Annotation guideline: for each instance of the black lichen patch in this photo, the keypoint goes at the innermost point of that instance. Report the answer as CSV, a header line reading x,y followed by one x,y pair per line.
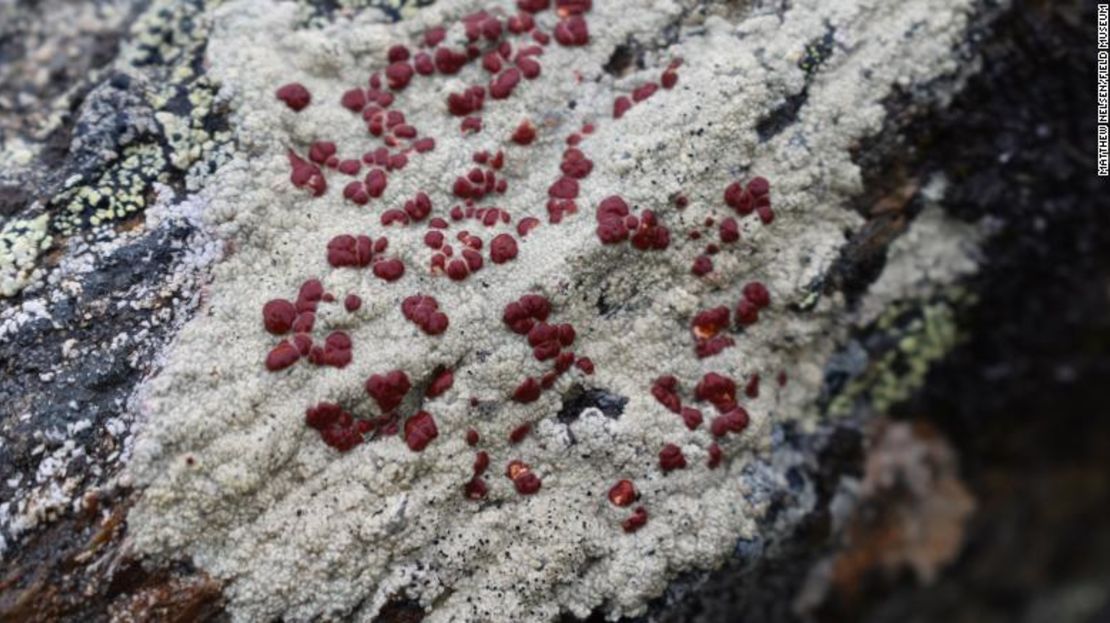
x,y
786,114
579,398
782,117
817,52
626,58
400,609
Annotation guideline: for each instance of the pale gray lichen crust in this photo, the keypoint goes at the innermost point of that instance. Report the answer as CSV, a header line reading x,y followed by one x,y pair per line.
x,y
233,478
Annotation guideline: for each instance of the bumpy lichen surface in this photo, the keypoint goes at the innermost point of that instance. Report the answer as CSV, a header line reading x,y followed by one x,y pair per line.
x,y
234,477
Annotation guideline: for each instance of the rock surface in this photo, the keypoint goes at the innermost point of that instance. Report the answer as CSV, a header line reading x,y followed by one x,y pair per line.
x,y
151,217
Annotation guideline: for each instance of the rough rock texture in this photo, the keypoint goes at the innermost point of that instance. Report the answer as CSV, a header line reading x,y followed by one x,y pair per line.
x,y
148,198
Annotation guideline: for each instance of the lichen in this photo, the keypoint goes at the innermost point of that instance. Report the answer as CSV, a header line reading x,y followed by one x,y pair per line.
x,y
234,477
21,243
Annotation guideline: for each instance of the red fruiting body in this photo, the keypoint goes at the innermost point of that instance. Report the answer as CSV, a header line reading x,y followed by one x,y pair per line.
x,y
472,440
572,7
665,390
515,468
611,228
529,67
528,391
472,125
669,79
336,427
423,311
520,23
563,362
710,322
585,365
491,62
520,315
546,340
481,460
349,167
347,250
502,86
735,421
649,234
623,493
712,346
420,430
703,265
759,186
563,188
356,193
782,378
375,182
636,520
644,91
336,351
527,483
419,207
449,61
718,390
307,175
757,293
457,270
502,248
671,458
282,356
533,6
397,53
352,302
729,230
310,292
320,151
706,326
394,216
691,417
751,390
621,106
747,312
443,382
462,104
714,456
304,322
389,270
548,379
278,316
525,133
295,96
475,489
434,36
389,389
398,74
572,31
739,199
423,64
433,239
519,433
575,164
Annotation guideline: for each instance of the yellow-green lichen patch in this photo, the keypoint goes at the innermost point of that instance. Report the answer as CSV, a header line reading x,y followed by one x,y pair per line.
x,y
916,335
118,193
163,124
166,49
21,243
